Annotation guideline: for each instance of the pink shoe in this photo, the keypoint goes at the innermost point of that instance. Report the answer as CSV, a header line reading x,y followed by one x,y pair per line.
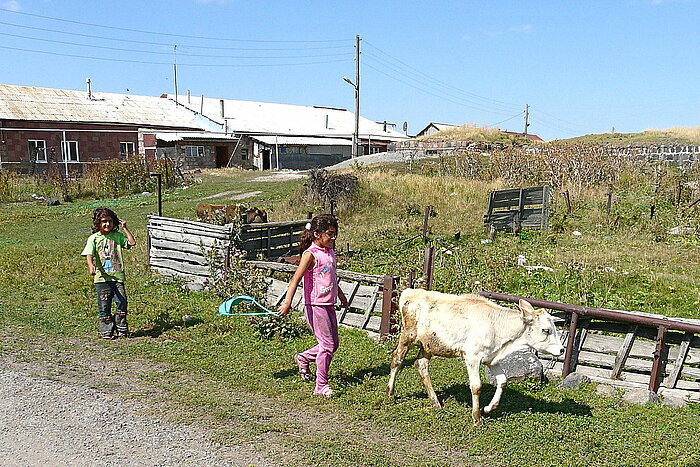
x,y
304,372
325,391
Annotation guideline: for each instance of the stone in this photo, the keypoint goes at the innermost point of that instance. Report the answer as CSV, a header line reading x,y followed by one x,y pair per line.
x,y
574,380
605,390
640,397
193,287
519,365
52,202
673,401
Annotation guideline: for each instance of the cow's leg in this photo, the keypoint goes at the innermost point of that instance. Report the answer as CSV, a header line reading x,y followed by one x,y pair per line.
x,y
500,376
397,358
475,386
423,364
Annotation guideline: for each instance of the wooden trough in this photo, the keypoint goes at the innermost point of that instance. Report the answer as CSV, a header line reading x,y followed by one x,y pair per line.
x,y
372,298
626,349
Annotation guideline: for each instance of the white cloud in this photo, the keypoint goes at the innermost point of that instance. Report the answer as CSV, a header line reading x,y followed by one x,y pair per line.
x,y
12,5
523,28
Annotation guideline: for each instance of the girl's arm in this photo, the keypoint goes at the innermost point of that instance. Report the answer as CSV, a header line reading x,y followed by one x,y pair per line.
x,y
91,265
307,262
129,237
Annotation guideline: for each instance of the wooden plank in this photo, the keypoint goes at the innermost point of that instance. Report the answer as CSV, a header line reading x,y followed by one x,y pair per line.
x,y
341,273
201,233
640,348
370,307
579,339
186,268
266,225
624,352
171,272
156,220
262,233
191,239
264,243
350,296
680,360
357,320
178,256
184,247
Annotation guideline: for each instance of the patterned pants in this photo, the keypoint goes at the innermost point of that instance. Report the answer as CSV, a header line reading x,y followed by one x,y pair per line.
x,y
106,293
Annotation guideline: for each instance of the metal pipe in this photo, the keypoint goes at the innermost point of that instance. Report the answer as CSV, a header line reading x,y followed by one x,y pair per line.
x,y
159,177
570,345
659,354
612,315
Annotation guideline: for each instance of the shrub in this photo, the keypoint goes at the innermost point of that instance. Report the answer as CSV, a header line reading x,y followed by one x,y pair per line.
x,y
324,188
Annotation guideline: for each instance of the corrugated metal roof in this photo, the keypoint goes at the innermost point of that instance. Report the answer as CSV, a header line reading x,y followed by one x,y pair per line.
x,y
301,140
287,119
61,105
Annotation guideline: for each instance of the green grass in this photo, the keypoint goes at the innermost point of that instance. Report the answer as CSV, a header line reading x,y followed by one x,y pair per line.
x,y
218,374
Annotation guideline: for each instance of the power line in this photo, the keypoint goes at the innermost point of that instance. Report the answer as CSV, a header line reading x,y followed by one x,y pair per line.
x,y
215,65
442,83
168,53
140,31
170,44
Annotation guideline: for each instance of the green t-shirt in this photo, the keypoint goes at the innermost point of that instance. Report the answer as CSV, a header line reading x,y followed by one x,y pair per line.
x,y
106,251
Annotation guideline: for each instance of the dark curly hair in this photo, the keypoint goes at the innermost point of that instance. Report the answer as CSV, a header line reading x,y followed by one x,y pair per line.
x,y
319,224
99,213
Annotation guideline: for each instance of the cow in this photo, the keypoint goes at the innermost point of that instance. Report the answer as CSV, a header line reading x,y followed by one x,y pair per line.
x,y
230,212
470,327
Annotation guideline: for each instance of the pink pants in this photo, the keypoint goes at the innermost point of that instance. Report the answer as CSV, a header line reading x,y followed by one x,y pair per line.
x,y
324,324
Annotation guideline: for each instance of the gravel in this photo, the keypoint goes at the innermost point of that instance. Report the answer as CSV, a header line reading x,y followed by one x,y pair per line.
x,y
45,422
382,157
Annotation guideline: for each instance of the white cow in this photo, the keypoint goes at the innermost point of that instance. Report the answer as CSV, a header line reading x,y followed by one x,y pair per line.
x,y
470,327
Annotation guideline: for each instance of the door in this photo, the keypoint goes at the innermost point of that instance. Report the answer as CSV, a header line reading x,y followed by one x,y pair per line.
x,y
222,156
266,159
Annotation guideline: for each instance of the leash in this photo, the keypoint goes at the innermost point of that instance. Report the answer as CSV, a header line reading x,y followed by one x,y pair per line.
x,y
225,308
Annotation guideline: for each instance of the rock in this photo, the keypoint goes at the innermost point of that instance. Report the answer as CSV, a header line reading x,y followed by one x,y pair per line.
x,y
193,287
146,193
680,230
52,202
673,401
519,366
605,390
640,397
574,380
576,233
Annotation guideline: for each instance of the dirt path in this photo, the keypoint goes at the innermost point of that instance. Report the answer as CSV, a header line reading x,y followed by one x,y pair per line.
x,y
80,407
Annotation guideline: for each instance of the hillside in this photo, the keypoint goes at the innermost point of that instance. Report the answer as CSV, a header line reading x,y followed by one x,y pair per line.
x,y
474,133
678,135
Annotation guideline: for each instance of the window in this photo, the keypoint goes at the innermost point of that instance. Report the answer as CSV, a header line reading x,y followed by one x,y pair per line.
x,y
37,150
126,149
244,154
69,151
194,151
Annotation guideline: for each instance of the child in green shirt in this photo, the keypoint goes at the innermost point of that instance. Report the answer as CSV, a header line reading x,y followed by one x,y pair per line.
x,y
104,258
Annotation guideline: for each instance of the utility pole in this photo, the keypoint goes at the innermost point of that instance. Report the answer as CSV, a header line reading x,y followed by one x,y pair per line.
x,y
175,70
527,116
356,142
356,86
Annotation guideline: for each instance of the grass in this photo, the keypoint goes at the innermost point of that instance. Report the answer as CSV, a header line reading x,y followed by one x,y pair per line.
x,y
676,135
473,132
218,374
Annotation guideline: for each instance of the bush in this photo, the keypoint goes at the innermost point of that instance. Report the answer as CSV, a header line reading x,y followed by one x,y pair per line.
x,y
324,188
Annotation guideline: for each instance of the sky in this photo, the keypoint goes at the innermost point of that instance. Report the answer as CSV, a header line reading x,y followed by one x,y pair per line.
x,y
580,67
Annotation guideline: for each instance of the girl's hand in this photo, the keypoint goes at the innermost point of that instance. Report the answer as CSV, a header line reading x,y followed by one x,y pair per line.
x,y
284,309
122,224
91,269
344,302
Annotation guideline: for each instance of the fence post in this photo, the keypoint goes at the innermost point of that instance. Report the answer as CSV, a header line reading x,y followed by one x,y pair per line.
x,y
609,202
659,354
388,293
159,177
568,201
426,217
570,345
428,266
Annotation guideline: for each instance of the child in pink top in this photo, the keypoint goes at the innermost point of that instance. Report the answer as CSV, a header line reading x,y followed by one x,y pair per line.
x,y
318,269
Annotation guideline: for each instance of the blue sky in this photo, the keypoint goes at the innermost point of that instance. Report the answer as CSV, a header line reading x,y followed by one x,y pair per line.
x,y
582,66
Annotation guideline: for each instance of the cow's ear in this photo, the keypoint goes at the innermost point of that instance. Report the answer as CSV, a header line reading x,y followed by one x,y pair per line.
x,y
527,310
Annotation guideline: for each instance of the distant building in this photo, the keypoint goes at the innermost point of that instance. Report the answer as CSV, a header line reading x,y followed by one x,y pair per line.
x,y
80,128
292,136
434,127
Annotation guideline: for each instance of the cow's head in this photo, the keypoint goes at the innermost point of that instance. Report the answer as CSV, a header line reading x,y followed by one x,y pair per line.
x,y
541,334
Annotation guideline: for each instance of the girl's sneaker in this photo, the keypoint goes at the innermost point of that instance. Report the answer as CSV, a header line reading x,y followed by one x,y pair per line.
x,y
303,366
325,391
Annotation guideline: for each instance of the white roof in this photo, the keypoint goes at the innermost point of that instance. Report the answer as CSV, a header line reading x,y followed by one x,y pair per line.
x,y
61,105
285,119
301,140
171,136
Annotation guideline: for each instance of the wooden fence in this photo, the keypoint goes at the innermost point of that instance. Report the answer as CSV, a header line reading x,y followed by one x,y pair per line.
x,y
180,247
628,349
518,208
372,298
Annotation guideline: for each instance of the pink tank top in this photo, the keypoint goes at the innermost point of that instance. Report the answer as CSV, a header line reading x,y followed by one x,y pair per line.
x,y
320,282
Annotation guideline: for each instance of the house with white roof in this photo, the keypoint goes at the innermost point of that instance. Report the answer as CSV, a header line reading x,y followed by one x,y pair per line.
x,y
79,128
290,136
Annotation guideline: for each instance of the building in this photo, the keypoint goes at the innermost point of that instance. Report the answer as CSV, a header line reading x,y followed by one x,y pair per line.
x,y
80,128
290,136
434,127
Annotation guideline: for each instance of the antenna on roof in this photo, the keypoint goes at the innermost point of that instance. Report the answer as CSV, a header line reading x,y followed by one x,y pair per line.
x,y
175,69
88,83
